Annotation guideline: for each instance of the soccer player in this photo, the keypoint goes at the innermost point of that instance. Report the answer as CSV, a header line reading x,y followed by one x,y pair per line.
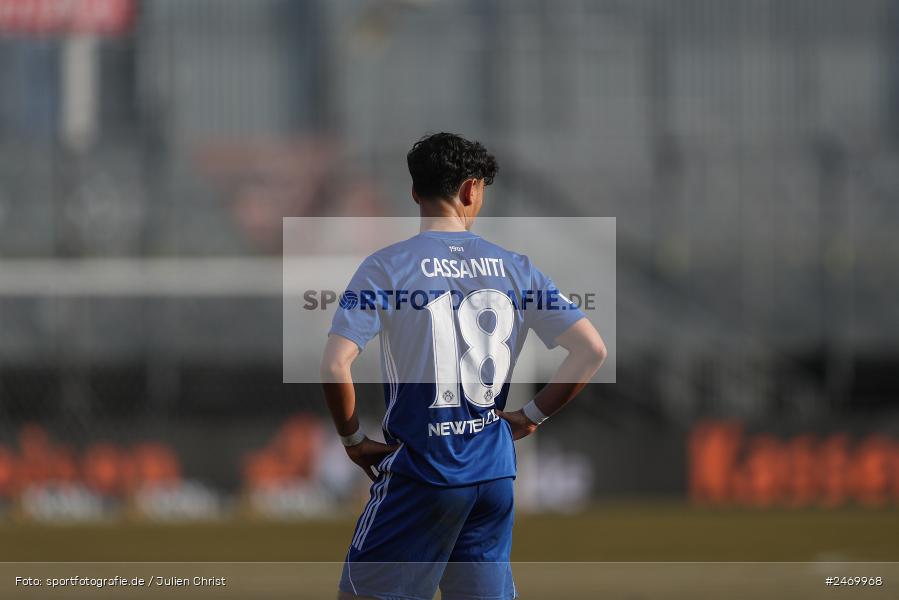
x,y
452,311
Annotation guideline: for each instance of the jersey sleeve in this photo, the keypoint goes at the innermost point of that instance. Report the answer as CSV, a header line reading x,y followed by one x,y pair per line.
x,y
549,313
357,317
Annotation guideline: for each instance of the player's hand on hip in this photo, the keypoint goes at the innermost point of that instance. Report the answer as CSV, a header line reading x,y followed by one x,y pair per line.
x,y
520,424
367,454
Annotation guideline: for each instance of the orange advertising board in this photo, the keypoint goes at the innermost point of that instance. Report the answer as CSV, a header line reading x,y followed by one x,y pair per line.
x,y
728,466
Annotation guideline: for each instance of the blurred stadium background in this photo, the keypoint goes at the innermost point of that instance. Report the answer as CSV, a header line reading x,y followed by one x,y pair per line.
x,y
748,148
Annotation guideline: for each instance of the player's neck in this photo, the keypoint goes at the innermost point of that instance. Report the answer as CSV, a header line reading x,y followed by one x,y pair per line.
x,y
444,223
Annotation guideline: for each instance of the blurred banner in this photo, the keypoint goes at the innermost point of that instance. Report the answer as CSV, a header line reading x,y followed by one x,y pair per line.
x,y
729,466
42,17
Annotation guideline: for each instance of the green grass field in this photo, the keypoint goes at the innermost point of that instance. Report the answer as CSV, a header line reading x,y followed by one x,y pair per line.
x,y
621,533
631,532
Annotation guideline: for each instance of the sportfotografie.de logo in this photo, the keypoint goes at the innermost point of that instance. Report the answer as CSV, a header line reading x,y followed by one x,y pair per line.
x,y
370,299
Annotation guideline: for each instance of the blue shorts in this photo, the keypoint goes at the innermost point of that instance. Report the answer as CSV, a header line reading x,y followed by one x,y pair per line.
x,y
413,537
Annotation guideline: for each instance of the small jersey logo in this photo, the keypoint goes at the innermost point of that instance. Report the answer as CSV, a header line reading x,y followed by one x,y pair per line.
x,y
448,396
456,249
349,300
488,395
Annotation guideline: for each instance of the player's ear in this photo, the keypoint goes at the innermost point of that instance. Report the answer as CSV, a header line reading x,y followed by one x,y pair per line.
x,y
467,191
479,186
415,197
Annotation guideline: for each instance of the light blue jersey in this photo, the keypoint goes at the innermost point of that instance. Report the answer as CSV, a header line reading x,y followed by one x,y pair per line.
x,y
452,311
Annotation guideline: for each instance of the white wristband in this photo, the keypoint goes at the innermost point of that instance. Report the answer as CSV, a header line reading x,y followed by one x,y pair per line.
x,y
533,413
352,439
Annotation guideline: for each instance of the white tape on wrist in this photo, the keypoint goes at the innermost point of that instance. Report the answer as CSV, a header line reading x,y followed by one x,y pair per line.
x,y
352,439
534,414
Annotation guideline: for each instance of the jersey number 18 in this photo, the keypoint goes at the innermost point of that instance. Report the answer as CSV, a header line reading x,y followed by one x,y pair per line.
x,y
482,345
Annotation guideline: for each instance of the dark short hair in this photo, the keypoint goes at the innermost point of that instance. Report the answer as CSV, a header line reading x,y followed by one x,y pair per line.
x,y
440,162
